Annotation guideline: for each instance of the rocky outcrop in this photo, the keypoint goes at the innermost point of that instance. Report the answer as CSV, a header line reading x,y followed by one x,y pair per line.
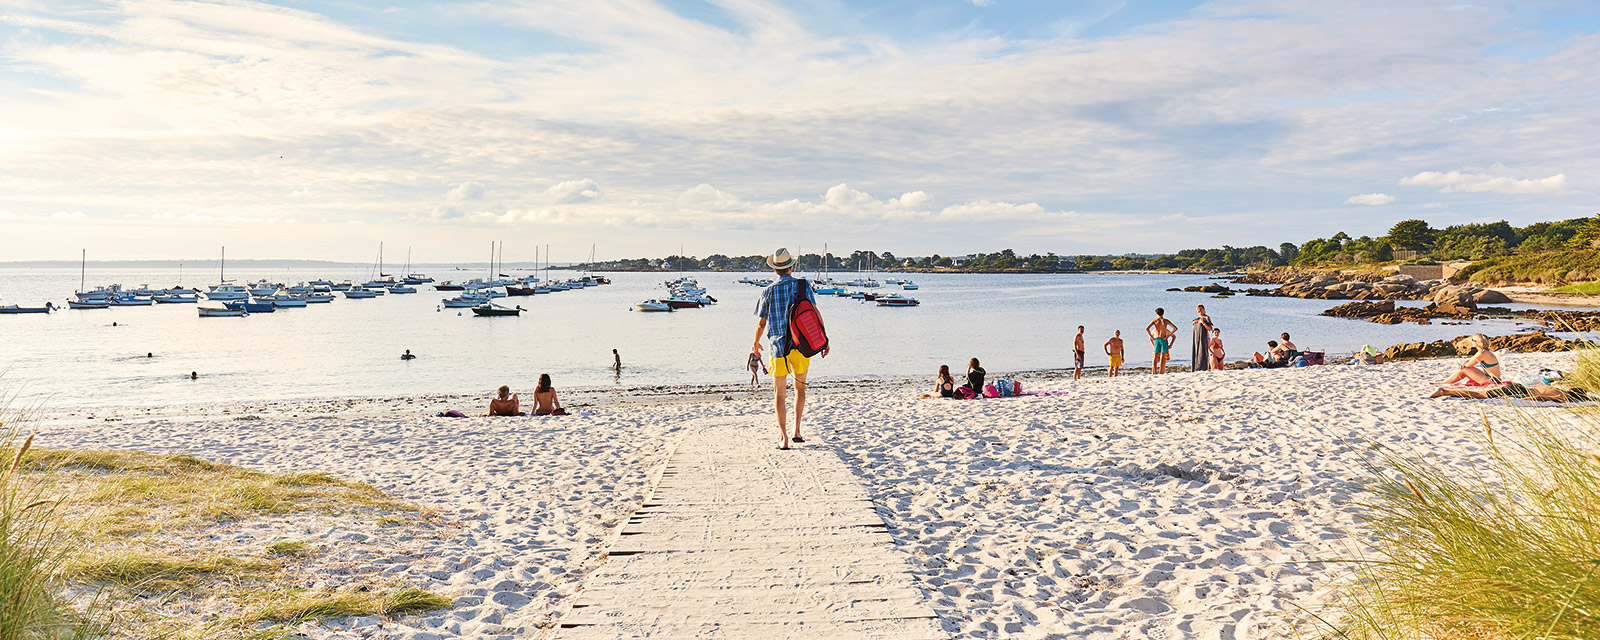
x,y
1530,342
1385,312
1361,309
1210,288
1322,286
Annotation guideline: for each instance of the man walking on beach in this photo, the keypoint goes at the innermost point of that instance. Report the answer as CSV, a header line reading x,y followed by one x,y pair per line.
x,y
1161,331
1114,349
774,307
1077,354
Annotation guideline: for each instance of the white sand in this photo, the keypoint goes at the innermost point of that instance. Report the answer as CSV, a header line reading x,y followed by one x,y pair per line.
x,y
1165,507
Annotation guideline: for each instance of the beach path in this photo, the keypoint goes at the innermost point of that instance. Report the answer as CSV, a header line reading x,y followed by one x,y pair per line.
x,y
741,540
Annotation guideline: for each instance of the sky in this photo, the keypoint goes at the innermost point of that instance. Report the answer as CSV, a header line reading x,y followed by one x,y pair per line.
x,y
156,129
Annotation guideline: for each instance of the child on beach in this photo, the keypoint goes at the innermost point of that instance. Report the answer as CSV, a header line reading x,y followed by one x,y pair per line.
x,y
754,364
1113,349
545,402
505,403
1215,347
975,374
1077,354
946,385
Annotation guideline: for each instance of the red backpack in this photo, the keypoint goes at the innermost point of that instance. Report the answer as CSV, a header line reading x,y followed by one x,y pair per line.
x,y
806,333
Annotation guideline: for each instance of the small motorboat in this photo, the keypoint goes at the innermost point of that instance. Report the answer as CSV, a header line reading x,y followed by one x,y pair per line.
x,y
252,307
88,304
463,302
684,303
652,305
13,309
908,286
227,292
521,291
282,301
319,298
446,286
321,283
359,292
829,290
417,278
490,309
896,300
213,312
343,286
263,288
174,298
129,300
400,288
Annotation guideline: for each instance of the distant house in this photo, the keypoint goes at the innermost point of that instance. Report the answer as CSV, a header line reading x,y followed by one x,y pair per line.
x,y
1066,263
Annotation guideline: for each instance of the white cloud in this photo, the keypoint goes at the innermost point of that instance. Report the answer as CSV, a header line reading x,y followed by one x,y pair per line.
x,y
984,209
706,197
1370,199
1432,205
469,190
1484,182
573,191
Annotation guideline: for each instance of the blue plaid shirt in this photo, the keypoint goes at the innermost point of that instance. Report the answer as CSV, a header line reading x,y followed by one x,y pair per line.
x,y
776,301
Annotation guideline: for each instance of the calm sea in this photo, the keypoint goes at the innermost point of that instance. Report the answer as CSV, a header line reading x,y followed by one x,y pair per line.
x,y
351,348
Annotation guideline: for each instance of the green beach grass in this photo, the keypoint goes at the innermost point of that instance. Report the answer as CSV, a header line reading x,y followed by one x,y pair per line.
x,y
1506,546
105,523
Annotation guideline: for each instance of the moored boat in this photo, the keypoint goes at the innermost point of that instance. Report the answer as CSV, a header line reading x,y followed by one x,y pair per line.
x,y
129,300
908,286
319,298
446,286
174,298
227,292
15,309
213,312
88,304
252,307
896,300
652,305
359,292
490,309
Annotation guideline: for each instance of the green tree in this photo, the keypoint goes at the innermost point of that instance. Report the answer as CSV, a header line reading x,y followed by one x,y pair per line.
x,y
1415,235
1588,236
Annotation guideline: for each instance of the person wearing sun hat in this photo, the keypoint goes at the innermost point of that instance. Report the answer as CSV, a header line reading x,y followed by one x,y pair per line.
x,y
773,330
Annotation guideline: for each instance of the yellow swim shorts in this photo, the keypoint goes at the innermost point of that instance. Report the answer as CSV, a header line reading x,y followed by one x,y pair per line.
x,y
1116,360
794,362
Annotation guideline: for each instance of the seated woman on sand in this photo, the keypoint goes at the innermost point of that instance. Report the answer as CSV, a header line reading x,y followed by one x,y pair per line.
x,y
975,374
946,385
1272,359
505,403
1482,369
545,402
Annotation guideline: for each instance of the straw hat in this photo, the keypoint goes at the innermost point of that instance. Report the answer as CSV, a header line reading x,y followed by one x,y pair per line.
x,y
780,259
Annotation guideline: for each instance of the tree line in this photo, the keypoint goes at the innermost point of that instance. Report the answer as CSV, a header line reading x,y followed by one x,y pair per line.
x,y
1411,241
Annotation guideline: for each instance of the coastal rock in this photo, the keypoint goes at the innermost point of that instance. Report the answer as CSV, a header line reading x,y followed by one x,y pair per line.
x,y
1414,350
1360,309
1210,288
1401,280
1489,296
1452,308
1531,342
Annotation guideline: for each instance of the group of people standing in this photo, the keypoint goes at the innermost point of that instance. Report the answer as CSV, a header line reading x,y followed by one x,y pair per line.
x,y
1206,351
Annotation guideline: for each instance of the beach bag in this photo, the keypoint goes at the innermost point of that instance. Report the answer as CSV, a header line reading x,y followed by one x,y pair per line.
x,y
964,392
990,392
1017,389
806,333
1313,357
1002,388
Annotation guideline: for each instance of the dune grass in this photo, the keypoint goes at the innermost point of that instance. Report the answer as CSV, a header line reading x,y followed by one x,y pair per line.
x,y
116,536
295,606
1507,546
34,547
1584,288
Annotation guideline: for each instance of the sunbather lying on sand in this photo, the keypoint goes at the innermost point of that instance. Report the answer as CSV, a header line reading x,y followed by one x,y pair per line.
x,y
1513,390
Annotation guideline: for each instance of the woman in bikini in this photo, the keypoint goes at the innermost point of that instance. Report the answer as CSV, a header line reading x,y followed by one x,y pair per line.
x,y
1482,369
545,402
1215,347
946,386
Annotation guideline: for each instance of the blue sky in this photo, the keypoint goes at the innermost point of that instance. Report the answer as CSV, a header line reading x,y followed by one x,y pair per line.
x,y
162,128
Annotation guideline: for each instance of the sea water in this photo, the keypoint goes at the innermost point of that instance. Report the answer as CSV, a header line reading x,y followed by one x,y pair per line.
x,y
352,348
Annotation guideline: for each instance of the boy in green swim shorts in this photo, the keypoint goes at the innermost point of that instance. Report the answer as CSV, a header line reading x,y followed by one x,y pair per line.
x,y
1161,331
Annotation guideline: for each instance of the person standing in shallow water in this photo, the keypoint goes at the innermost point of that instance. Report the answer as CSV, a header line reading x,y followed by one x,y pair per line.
x,y
773,329
1201,355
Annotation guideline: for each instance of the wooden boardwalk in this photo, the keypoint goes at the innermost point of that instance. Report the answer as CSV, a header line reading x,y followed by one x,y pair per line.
x,y
740,540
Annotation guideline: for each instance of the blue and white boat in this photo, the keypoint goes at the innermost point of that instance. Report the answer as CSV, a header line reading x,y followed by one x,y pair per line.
x,y
129,300
228,292
359,292
251,306
213,312
174,298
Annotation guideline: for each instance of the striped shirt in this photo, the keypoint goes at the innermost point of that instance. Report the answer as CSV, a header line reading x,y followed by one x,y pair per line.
x,y
776,302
